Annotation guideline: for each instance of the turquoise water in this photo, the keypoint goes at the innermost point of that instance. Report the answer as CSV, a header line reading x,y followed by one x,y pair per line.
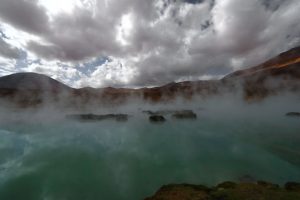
x,y
65,160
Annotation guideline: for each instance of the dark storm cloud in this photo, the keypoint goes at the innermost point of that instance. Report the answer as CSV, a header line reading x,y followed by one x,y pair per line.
x,y
7,51
159,41
24,14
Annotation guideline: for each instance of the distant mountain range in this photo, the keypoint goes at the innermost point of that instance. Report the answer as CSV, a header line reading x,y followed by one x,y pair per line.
x,y
279,74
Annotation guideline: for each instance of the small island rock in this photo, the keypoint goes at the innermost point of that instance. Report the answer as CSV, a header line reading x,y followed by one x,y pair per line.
x,y
157,118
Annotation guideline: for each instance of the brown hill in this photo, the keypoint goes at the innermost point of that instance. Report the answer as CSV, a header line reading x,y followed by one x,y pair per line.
x,y
281,73
276,66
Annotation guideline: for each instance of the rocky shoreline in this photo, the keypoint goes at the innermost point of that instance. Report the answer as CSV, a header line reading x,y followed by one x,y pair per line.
x,y
259,190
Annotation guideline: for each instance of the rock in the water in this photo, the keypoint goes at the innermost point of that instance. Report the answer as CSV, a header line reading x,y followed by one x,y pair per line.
x,y
82,117
157,118
293,114
93,117
185,114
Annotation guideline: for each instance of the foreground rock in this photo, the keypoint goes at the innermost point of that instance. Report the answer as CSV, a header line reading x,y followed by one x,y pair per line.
x,y
181,192
93,117
157,119
228,191
293,114
185,114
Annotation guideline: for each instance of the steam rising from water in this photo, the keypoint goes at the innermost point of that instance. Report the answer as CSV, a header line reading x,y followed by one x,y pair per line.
x,y
45,156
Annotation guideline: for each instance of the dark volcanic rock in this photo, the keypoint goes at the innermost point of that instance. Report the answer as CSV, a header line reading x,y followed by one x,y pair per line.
x,y
293,114
157,118
93,117
185,114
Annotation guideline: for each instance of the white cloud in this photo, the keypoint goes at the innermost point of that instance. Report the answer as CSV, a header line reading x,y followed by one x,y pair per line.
x,y
55,7
149,42
124,29
113,72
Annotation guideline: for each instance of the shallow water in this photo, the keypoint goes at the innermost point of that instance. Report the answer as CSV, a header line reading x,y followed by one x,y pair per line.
x,y
65,160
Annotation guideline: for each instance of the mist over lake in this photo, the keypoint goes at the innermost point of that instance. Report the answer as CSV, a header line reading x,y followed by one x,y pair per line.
x,y
149,100
46,156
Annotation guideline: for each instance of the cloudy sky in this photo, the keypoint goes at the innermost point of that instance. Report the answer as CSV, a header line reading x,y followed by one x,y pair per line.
x,y
133,43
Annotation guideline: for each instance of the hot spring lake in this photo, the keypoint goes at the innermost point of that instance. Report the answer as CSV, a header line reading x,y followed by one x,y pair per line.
x,y
69,160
